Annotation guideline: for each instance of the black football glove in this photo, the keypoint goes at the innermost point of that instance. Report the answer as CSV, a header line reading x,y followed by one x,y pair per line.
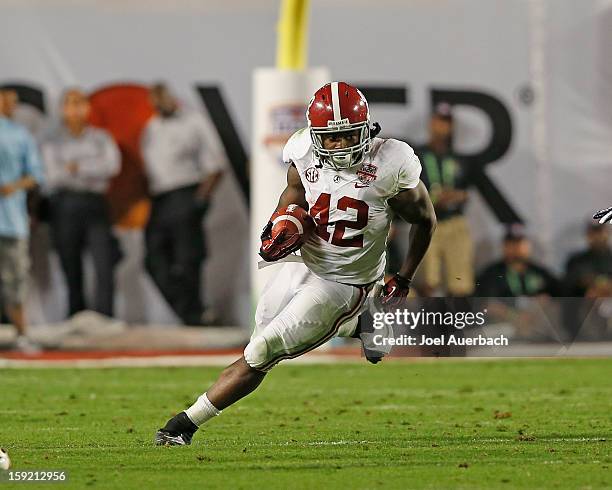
x,y
604,216
395,290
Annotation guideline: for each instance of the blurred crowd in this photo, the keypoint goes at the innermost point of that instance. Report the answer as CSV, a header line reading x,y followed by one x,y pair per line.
x,y
449,266
63,176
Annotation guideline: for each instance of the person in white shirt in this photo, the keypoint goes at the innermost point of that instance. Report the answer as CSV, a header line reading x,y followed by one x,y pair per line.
x,y
183,169
79,162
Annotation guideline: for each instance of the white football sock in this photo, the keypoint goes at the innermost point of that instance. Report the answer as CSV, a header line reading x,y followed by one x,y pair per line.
x,y
202,410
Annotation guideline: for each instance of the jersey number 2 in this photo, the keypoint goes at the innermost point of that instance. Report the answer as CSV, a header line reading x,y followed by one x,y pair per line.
x,y
320,211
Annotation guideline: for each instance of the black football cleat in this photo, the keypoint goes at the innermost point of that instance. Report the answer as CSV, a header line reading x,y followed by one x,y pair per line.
x,y
365,333
165,438
178,431
372,356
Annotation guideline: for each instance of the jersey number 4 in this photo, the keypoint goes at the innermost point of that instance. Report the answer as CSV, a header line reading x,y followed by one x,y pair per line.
x,y
320,211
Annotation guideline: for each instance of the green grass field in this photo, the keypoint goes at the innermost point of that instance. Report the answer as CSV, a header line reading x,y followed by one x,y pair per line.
x,y
438,424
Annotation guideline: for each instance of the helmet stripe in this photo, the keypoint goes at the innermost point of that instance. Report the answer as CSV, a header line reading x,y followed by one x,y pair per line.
x,y
335,101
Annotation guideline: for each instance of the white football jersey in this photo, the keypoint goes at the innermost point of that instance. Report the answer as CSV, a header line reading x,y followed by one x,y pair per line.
x,y
351,208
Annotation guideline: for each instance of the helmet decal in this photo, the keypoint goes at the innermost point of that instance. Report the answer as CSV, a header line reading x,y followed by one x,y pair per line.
x,y
335,101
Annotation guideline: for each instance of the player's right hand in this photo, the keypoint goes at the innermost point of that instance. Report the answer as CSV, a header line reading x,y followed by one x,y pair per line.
x,y
273,249
604,216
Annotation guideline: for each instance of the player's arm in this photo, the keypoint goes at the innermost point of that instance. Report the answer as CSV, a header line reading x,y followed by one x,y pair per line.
x,y
413,206
294,193
274,249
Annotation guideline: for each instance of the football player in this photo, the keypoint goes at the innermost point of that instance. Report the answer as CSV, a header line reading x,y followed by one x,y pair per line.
x,y
604,216
352,183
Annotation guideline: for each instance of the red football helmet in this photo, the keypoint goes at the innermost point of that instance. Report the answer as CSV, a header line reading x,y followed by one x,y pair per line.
x,y
339,107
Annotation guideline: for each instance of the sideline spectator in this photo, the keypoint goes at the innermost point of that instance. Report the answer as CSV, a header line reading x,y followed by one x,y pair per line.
x,y
444,175
589,272
79,161
516,275
20,171
182,173
11,100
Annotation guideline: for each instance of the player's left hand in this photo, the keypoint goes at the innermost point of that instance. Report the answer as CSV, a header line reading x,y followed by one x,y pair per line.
x,y
604,216
395,290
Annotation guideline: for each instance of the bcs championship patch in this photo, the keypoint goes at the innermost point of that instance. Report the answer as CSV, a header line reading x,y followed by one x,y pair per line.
x,y
366,175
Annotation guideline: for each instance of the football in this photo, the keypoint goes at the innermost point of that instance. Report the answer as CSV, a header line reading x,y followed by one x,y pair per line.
x,y
294,223
5,461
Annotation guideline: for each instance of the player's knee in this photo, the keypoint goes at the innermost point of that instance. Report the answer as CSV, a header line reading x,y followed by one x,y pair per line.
x,y
256,352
